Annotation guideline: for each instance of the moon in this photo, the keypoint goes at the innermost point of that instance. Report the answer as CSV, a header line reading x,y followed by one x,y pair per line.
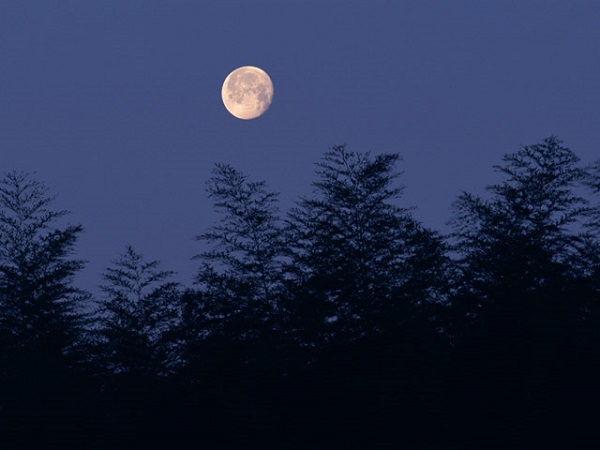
x,y
247,92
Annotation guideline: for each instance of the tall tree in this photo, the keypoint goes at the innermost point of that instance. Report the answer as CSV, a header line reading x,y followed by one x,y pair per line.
x,y
242,269
354,249
524,262
40,314
591,251
529,233
137,317
593,183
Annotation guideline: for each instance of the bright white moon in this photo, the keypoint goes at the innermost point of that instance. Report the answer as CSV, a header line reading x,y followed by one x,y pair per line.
x,y
247,92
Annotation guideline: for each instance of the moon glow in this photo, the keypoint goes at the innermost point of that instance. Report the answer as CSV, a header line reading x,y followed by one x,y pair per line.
x,y
247,92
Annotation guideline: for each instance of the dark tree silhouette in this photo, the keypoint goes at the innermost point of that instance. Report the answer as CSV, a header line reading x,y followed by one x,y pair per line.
x,y
40,318
355,251
530,234
136,319
241,273
233,321
524,255
593,183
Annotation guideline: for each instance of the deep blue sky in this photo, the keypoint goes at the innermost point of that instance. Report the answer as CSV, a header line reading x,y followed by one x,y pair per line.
x,y
116,104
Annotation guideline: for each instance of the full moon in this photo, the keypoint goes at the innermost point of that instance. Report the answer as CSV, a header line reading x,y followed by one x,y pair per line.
x,y
247,92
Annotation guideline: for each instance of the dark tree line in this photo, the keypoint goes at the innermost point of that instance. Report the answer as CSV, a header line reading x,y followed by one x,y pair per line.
x,y
344,323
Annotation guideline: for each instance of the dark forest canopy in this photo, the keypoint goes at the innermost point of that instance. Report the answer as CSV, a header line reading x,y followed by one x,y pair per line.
x,y
342,323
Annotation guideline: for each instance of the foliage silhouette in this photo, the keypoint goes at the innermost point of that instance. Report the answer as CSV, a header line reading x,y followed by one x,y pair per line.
x,y
237,303
524,256
39,311
362,262
135,321
347,325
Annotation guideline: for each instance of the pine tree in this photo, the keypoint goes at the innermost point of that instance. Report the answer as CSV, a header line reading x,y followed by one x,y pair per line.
x,y
355,251
241,273
40,309
525,292
530,233
136,319
590,249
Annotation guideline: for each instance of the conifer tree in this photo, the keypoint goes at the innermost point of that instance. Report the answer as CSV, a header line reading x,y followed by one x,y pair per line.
x,y
137,317
528,235
355,251
241,272
525,293
40,309
593,184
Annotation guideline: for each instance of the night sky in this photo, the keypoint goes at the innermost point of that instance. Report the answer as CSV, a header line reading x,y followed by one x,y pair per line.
x,y
116,105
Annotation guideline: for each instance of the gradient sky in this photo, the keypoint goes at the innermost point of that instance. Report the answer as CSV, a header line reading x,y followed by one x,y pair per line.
x,y
116,104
